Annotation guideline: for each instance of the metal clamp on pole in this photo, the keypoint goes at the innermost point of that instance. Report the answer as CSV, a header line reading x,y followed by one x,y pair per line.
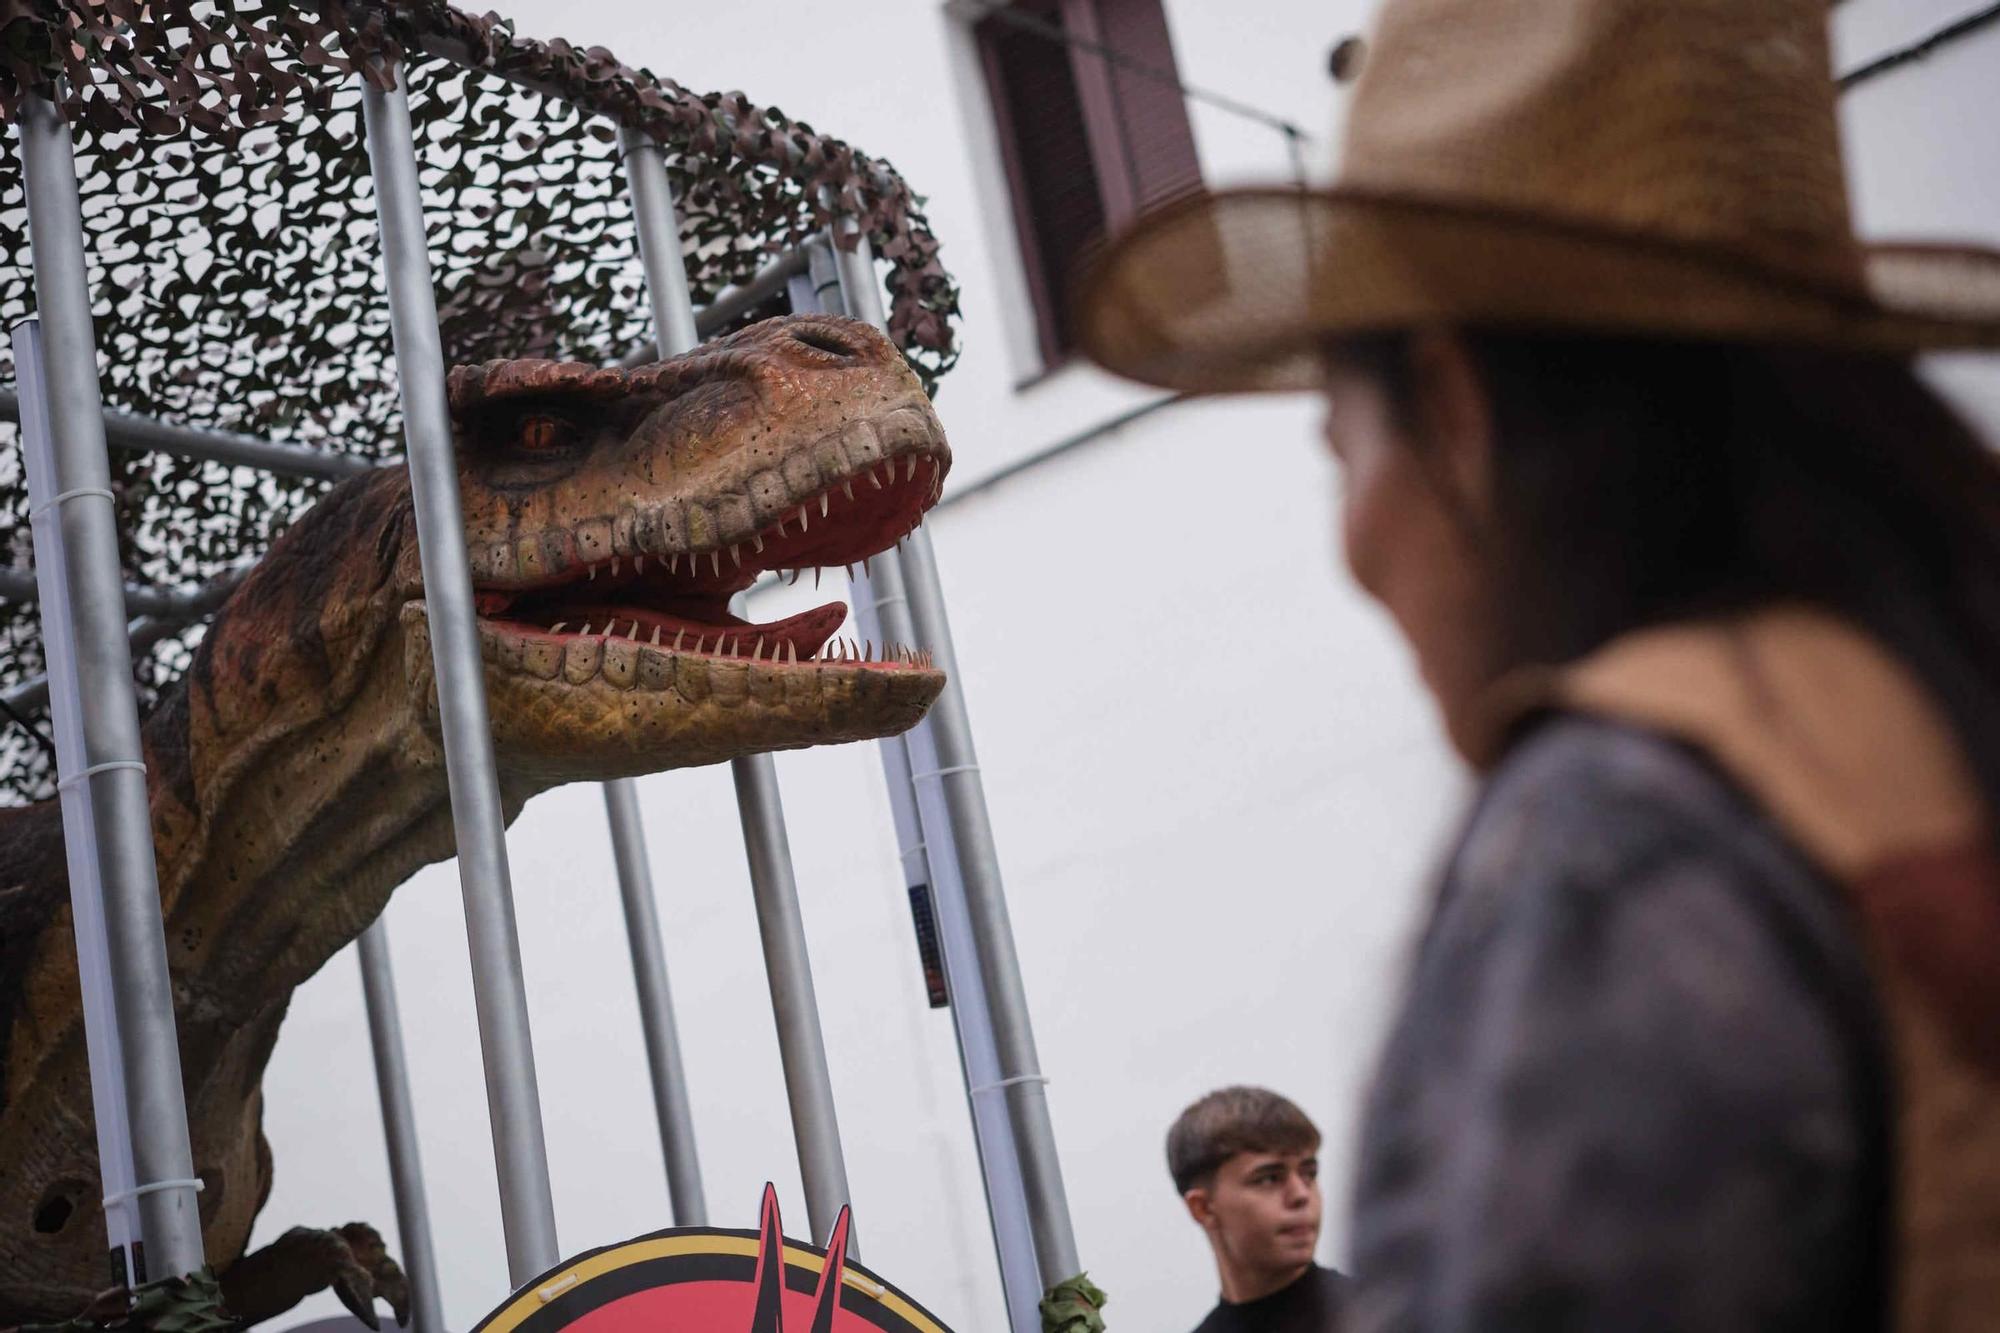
x,y
527,1210
134,1050
941,750
673,333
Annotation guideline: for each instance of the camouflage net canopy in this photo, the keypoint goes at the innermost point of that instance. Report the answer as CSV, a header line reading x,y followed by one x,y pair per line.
x,y
231,242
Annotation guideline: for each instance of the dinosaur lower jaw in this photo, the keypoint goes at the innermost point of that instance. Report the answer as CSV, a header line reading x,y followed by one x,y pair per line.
x,y
608,707
679,601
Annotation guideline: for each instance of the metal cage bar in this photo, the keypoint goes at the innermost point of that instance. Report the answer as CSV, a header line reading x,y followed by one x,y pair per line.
x,y
930,866
399,1129
956,776
103,777
774,887
673,332
138,434
519,1150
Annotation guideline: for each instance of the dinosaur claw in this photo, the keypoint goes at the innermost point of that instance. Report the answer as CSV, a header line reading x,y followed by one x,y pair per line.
x,y
385,1276
357,1293
351,1261
393,1287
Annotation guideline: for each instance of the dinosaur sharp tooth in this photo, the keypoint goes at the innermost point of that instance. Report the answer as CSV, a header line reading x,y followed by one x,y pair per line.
x,y
614,566
638,564
847,489
715,560
585,629
868,651
910,467
816,574
679,634
757,652
656,636
873,480
864,564
735,558
673,561
557,628
699,639
791,651
756,543
804,524
633,633
781,527
823,502
593,573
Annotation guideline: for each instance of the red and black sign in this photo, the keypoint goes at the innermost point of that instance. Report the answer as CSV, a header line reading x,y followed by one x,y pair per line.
x,y
706,1280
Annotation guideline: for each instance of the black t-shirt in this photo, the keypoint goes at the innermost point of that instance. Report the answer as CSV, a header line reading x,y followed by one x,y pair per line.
x,y
1311,1304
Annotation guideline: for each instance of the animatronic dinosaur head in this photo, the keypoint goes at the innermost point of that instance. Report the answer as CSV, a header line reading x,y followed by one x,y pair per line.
x,y
610,515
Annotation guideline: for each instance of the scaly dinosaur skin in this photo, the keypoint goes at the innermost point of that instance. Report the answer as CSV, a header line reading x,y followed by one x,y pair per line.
x,y
296,776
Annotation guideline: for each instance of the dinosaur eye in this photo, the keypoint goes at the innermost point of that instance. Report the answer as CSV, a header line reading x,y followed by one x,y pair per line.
x,y
543,433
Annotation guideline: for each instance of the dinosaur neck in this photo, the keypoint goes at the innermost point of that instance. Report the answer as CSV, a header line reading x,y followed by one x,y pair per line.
x,y
294,841
294,785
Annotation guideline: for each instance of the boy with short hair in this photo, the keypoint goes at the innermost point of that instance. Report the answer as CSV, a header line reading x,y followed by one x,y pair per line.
x,y
1246,1163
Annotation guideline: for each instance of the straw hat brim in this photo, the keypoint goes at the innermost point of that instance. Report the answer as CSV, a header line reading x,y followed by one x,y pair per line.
x,y
1238,290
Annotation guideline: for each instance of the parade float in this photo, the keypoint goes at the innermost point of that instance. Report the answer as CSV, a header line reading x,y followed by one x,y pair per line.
x,y
404,407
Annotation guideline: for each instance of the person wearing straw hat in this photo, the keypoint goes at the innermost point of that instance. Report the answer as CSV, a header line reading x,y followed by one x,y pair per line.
x,y
1704,1029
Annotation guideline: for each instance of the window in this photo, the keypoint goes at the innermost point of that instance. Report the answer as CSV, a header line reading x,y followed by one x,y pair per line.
x,y
1089,141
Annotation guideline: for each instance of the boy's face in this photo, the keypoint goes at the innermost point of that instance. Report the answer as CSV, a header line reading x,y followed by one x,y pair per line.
x,y
1262,1210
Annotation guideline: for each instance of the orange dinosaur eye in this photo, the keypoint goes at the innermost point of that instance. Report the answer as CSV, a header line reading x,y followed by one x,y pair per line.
x,y
540,433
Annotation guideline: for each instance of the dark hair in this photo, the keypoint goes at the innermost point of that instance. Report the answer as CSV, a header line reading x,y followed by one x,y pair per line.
x,y
1229,1121
1639,481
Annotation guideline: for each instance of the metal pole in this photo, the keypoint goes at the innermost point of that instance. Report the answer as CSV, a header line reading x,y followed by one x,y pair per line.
x,y
72,496
399,1127
29,696
122,430
794,1007
659,229
956,775
526,1208
140,600
673,333
930,866
801,1046
656,1007
731,303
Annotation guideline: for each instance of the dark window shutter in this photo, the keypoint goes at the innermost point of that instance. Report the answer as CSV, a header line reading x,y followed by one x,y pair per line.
x,y
1089,141
1058,206
1159,145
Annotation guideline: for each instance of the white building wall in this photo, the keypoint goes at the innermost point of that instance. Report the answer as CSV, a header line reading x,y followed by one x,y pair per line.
x,y
1216,788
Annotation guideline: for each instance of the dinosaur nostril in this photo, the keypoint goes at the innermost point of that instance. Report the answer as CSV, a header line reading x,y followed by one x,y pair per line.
x,y
825,340
52,1214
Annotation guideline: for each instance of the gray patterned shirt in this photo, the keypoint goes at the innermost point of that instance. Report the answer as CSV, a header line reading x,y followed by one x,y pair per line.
x,y
1637,1082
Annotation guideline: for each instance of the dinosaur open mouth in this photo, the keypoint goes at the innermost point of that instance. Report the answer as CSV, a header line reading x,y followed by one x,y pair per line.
x,y
678,599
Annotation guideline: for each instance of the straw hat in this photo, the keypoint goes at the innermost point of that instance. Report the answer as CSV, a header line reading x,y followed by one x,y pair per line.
x,y
1667,167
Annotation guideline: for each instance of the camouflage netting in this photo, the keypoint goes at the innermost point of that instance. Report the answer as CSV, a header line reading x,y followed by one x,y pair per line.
x,y
233,263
